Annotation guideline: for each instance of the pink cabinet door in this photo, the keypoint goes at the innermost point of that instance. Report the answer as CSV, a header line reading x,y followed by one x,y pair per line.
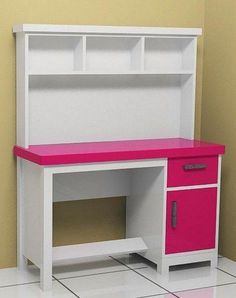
x,y
191,220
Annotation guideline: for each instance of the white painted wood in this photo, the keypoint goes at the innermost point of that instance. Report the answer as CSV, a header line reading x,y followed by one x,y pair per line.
x,y
218,202
33,220
84,53
188,94
142,48
21,260
168,54
55,53
144,209
48,28
101,180
22,101
101,166
37,224
185,258
191,253
46,243
91,185
136,59
188,50
164,212
110,73
103,248
107,107
79,54
187,117
94,83
113,53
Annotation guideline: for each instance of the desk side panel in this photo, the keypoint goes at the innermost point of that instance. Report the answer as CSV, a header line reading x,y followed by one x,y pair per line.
x,y
145,215
33,218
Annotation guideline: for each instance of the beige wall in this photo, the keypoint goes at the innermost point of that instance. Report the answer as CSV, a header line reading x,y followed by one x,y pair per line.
x,y
181,13
219,107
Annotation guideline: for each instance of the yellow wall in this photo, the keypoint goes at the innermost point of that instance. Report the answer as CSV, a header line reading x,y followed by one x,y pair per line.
x,y
219,107
181,13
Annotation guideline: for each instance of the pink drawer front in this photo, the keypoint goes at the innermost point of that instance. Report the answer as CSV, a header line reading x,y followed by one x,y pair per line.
x,y
192,171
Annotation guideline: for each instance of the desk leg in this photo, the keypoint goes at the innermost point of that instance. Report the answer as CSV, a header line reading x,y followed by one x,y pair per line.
x,y
21,260
47,201
162,266
214,260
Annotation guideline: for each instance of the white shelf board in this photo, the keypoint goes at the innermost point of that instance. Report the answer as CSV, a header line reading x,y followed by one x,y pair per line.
x,y
69,73
49,28
103,248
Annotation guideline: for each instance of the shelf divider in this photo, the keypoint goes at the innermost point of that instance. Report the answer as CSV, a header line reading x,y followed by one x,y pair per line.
x,y
134,72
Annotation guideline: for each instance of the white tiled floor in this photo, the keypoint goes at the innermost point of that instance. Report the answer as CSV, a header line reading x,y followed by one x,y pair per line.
x,y
123,277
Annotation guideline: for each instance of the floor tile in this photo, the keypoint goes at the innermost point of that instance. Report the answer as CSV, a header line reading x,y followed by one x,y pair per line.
x,y
228,291
227,265
88,267
34,291
12,276
132,260
125,284
188,278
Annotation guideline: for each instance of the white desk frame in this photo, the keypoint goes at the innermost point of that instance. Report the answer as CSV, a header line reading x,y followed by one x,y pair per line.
x,y
35,199
145,234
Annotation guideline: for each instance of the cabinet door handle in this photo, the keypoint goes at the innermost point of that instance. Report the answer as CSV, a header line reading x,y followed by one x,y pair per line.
x,y
174,214
194,166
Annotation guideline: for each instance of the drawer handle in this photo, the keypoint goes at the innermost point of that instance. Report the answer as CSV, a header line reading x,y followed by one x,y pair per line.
x,y
194,166
174,214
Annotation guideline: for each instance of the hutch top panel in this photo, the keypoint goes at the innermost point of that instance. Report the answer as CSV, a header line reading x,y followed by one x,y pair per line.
x,y
46,28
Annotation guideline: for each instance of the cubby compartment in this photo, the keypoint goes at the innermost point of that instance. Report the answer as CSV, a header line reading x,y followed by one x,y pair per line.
x,y
113,53
55,54
169,54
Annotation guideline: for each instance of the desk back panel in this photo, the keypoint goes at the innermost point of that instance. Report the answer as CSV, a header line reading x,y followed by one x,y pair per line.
x,y
100,108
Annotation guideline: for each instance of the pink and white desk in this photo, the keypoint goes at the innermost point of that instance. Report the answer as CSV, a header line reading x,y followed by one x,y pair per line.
x,y
172,187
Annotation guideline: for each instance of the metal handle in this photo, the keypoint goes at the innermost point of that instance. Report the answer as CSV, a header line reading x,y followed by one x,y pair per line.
x,y
194,166
174,214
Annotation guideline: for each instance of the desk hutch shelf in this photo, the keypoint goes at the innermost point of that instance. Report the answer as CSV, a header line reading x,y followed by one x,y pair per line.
x,y
109,111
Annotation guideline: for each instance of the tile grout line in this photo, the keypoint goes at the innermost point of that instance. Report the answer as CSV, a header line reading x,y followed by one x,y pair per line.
x,y
22,284
100,273
128,268
66,287
226,272
56,279
154,295
144,277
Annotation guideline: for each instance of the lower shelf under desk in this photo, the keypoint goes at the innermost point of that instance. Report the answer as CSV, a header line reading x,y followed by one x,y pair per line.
x,y
95,249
